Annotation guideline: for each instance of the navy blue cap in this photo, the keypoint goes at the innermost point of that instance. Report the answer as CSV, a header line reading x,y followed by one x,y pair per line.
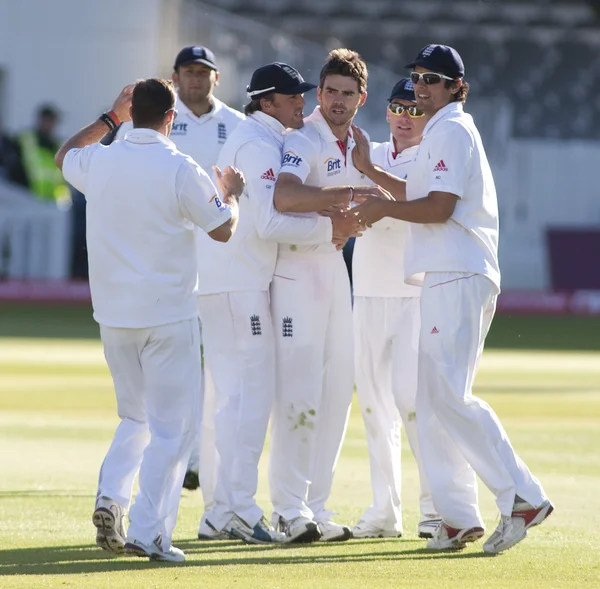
x,y
277,77
441,59
403,90
196,54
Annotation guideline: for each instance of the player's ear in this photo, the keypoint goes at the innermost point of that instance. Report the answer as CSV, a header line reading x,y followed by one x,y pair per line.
x,y
363,98
388,115
319,93
456,86
175,78
216,78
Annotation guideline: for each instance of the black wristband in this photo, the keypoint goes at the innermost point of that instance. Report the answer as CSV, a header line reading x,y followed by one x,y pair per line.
x,y
108,120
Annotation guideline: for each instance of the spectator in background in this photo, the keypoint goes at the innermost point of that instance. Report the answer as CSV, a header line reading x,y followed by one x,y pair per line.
x,y
33,165
7,152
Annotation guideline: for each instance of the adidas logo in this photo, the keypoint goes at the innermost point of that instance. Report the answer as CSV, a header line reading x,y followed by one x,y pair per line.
x,y
268,175
434,330
440,167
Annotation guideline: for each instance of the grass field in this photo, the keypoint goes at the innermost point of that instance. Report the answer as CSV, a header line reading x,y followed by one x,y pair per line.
x,y
57,416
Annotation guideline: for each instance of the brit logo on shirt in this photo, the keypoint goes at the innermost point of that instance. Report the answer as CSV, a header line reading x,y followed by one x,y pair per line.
x,y
287,328
179,129
222,132
334,166
291,159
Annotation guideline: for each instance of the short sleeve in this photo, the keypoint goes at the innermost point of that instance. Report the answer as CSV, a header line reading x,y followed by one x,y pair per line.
x,y
297,155
199,199
76,165
378,153
449,159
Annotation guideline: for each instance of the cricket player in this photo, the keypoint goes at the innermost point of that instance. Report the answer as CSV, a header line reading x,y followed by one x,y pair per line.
x,y
311,308
450,199
143,195
202,126
386,331
234,308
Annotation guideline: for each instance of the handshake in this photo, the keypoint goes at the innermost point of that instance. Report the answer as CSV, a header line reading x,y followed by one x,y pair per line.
x,y
349,222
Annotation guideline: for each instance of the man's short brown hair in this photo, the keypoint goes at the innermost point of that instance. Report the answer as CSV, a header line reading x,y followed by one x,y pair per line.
x,y
345,62
150,102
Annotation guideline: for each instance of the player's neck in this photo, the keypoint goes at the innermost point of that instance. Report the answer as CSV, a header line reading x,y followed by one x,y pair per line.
x,y
340,131
201,107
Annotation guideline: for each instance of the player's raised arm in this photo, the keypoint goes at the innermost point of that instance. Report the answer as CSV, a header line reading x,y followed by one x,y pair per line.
x,y
362,161
93,132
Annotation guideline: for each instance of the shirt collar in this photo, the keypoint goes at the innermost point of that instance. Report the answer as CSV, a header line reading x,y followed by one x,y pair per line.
x,y
146,136
453,107
323,126
406,151
215,111
271,124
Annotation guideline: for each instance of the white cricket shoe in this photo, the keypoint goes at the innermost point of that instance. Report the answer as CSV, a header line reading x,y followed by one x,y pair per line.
x,y
298,529
207,532
365,529
513,528
447,538
332,532
262,533
109,519
428,525
154,551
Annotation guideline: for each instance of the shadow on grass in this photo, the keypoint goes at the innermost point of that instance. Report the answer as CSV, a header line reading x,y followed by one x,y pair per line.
x,y
74,560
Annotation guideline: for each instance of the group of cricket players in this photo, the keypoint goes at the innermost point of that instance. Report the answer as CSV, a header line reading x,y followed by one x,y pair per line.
x,y
285,338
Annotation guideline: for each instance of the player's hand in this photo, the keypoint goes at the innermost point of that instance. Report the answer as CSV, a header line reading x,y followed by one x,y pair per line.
x,y
339,243
370,212
230,181
334,209
361,154
345,225
366,193
122,103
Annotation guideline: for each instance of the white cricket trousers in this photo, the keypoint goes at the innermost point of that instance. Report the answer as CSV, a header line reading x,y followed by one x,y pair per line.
x,y
386,340
459,434
203,458
156,374
312,318
239,348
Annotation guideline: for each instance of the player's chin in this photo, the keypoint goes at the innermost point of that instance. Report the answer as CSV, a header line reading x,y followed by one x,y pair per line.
x,y
297,122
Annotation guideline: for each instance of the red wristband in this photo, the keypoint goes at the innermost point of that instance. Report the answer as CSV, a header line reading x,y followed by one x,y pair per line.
x,y
113,115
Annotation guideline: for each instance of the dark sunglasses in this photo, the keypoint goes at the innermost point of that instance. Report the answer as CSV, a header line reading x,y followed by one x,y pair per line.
x,y
412,111
428,78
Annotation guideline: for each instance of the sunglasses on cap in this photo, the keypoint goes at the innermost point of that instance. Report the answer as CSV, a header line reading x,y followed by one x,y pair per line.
x,y
412,111
428,78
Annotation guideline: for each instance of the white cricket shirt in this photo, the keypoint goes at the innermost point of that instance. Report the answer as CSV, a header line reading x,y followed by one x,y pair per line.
x,y
247,260
318,158
451,158
142,197
378,258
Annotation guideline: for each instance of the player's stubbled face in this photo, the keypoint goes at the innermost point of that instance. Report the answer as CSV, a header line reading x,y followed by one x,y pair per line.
x,y
288,110
431,97
340,99
404,126
195,81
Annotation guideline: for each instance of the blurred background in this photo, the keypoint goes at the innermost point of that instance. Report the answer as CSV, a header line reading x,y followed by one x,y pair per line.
x,y
533,67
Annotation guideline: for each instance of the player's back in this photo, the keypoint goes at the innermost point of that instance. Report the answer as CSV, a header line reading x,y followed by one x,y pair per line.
x,y
140,247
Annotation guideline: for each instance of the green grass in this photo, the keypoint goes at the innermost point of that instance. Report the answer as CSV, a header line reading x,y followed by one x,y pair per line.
x,y
57,416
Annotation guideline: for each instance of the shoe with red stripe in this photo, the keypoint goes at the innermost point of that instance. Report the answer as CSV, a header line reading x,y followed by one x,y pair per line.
x,y
447,538
513,528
